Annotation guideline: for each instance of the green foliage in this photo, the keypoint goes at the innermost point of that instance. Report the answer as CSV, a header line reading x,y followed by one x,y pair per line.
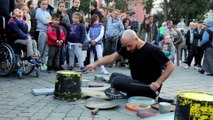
x,y
188,9
121,5
107,1
85,6
148,5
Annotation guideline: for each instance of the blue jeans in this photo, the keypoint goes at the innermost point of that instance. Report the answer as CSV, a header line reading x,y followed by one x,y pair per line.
x,y
75,50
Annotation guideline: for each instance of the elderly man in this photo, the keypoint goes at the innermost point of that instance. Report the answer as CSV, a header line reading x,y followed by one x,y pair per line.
x,y
114,30
207,43
146,62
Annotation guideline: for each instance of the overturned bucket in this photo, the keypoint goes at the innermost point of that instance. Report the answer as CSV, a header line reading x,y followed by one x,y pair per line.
x,y
68,85
194,106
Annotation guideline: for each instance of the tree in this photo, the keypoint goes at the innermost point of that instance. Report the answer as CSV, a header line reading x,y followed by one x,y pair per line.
x,y
121,5
187,9
85,6
148,5
165,9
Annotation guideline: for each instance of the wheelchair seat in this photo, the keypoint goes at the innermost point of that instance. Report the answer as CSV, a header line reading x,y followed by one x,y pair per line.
x,y
19,46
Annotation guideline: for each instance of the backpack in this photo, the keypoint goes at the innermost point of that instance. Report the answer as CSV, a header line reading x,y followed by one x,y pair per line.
x,y
210,42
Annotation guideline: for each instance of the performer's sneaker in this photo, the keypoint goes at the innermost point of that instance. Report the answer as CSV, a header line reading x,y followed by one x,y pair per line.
x,y
114,94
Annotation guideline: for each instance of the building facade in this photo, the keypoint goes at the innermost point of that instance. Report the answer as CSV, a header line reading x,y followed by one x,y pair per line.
x,y
136,6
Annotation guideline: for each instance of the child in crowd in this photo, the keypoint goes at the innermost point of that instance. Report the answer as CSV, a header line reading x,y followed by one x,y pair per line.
x,y
26,15
43,19
76,37
56,38
95,36
18,33
64,21
62,11
167,40
166,50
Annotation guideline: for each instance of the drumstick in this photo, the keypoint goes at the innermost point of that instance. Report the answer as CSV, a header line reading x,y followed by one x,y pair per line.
x,y
146,87
95,111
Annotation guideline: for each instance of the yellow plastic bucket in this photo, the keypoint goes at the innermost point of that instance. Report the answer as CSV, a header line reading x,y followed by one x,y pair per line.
x,y
194,106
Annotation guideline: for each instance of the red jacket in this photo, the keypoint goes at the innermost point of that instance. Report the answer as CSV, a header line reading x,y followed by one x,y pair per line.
x,y
52,35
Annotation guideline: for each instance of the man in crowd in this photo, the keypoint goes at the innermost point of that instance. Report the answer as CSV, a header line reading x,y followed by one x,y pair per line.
x,y
75,8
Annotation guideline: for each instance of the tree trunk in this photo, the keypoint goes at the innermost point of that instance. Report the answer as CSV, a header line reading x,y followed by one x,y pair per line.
x,y
165,10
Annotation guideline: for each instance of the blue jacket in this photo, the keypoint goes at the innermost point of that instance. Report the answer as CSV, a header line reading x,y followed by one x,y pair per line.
x,y
17,32
94,32
205,37
76,33
114,28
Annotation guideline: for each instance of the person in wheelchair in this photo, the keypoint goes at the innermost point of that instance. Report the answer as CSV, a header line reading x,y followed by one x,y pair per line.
x,y
18,31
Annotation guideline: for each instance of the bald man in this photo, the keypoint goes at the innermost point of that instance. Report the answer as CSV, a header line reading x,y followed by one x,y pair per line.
x,y
146,63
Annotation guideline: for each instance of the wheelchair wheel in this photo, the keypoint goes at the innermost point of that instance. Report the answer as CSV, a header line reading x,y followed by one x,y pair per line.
x,y
7,60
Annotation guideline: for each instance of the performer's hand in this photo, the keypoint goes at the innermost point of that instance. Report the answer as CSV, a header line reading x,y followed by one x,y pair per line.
x,y
90,66
155,86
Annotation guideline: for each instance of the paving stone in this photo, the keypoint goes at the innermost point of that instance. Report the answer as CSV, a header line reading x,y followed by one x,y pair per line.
x,y
25,114
56,116
21,118
10,115
39,116
71,118
63,109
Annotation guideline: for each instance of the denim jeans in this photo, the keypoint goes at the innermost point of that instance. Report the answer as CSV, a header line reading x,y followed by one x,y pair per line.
x,y
75,50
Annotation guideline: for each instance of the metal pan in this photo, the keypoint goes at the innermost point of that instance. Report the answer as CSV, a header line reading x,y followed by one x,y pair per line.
x,y
97,103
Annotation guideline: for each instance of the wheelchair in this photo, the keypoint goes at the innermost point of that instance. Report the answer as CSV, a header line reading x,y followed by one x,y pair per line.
x,y
13,56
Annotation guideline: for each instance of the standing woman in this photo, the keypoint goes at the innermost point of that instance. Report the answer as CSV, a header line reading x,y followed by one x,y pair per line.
x,y
145,30
127,23
43,18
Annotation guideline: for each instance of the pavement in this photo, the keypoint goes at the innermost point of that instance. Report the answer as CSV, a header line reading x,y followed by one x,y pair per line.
x,y
18,103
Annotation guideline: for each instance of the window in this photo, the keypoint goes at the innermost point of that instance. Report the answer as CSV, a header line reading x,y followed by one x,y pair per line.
x,y
55,2
67,3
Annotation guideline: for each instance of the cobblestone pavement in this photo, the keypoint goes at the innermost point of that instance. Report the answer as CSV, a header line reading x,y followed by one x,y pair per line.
x,y
18,103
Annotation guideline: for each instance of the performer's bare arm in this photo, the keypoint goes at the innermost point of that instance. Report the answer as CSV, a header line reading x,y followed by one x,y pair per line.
x,y
104,61
167,72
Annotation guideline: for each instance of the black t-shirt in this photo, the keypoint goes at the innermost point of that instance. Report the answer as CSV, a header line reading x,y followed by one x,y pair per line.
x,y
146,63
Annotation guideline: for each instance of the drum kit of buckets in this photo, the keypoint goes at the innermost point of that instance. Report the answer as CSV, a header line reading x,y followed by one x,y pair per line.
x,y
69,86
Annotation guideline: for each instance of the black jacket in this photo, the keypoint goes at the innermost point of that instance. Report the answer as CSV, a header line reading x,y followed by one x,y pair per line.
x,y
197,36
95,11
71,11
